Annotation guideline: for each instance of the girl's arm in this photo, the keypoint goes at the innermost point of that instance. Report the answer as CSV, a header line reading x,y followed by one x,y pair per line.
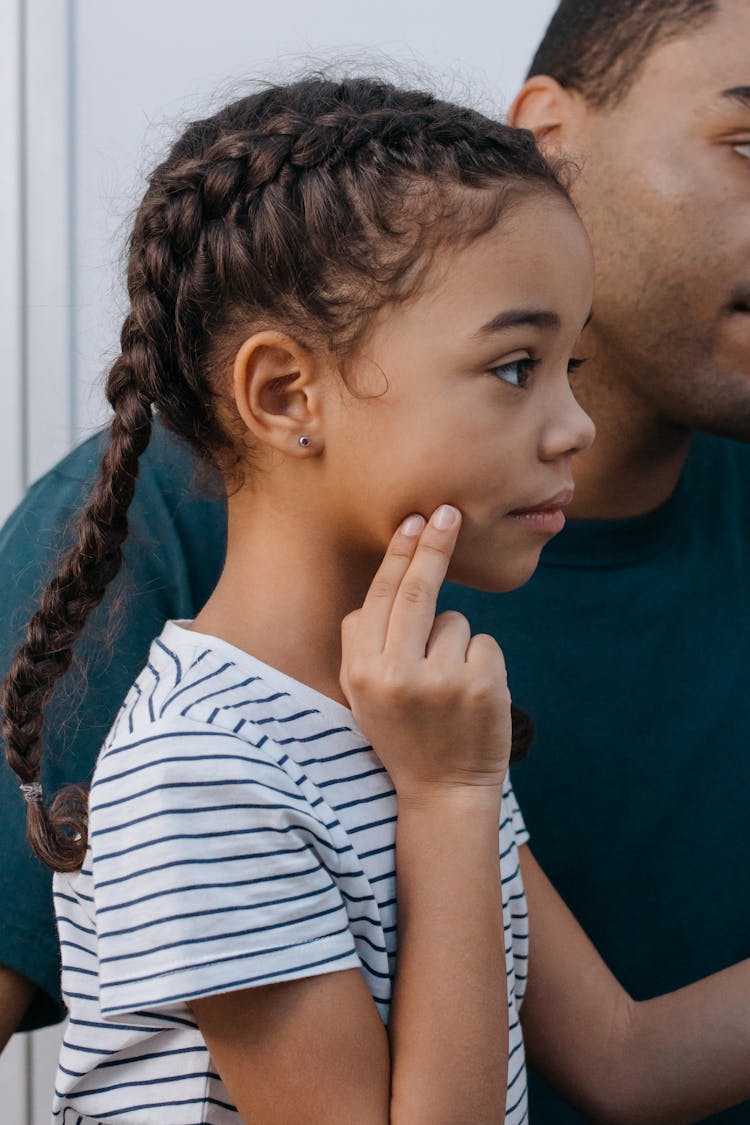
x,y
449,1026
434,703
316,1050
673,1059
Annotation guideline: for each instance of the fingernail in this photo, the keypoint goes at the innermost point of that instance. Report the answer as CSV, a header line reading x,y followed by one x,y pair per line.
x,y
412,525
444,517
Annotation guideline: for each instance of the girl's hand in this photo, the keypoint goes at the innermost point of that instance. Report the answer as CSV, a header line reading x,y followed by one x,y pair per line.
x,y
432,699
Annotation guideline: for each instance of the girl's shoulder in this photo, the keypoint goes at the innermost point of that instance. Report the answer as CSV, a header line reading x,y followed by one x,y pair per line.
x,y
204,725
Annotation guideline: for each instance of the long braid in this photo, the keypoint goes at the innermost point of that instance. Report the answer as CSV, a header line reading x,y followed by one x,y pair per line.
x,y
68,599
289,207
58,834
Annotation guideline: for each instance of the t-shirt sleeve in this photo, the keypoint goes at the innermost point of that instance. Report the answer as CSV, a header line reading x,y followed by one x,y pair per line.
x,y
513,811
212,873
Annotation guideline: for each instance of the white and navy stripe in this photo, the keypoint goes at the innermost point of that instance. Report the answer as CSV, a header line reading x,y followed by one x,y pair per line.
x,y
241,832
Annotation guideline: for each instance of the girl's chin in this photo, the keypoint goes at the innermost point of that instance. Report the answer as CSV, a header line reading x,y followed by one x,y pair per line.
x,y
499,579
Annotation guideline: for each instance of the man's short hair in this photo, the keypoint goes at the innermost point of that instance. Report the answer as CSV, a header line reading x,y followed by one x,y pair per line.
x,y
597,47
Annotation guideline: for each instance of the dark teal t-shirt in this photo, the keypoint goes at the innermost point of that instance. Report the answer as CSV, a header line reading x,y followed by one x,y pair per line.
x,y
630,647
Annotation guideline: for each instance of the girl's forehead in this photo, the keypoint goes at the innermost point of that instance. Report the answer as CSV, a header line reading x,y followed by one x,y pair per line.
x,y
540,251
507,289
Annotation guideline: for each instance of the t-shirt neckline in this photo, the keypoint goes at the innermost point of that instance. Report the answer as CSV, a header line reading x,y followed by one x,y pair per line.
x,y
606,543
177,631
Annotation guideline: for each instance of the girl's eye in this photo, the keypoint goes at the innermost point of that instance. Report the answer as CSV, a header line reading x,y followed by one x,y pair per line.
x,y
516,373
576,364
743,149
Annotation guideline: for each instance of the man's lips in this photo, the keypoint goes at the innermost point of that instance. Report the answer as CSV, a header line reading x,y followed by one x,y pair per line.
x,y
559,500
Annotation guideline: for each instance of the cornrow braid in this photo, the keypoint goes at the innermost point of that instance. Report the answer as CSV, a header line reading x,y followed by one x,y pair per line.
x,y
305,206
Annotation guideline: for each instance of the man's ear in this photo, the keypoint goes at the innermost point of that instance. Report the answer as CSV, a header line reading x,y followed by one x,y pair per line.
x,y
559,118
277,389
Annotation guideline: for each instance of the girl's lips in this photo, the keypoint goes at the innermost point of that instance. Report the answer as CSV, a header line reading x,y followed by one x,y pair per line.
x,y
548,517
559,500
547,521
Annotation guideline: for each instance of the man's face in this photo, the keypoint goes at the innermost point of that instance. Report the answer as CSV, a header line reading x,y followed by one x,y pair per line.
x,y
665,195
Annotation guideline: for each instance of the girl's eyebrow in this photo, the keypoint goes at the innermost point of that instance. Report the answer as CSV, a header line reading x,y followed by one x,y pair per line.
x,y
536,318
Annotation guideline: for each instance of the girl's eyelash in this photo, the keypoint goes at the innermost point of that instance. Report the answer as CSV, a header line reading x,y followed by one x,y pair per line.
x,y
524,367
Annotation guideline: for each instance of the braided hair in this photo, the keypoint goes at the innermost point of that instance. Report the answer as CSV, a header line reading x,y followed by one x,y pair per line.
x,y
307,206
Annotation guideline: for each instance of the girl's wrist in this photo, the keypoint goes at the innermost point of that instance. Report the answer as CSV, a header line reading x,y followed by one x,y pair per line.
x,y
450,799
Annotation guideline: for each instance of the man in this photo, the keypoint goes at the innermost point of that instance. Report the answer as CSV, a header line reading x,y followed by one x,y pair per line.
x,y
628,645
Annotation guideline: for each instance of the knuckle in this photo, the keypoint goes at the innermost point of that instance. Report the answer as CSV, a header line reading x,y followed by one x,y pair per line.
x,y
399,550
396,682
349,622
429,547
358,676
416,590
452,619
443,688
481,689
381,588
490,649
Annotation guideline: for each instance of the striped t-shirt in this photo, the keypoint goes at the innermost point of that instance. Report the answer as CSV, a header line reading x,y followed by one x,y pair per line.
x,y
241,832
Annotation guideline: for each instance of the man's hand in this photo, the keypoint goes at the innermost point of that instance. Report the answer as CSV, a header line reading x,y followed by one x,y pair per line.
x,y
15,996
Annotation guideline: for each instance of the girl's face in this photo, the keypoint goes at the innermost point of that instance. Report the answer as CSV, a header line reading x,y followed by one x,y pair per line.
x,y
461,396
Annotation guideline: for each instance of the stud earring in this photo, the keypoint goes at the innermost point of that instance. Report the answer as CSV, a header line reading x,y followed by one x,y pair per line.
x,y
304,441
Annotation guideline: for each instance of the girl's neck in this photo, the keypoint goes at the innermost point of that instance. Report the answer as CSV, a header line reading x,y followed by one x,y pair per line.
x,y
284,590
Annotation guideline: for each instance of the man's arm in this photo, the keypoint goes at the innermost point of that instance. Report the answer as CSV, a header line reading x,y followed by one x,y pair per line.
x,y
15,996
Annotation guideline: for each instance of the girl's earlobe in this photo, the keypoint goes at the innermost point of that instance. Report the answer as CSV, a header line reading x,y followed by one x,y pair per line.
x,y
276,390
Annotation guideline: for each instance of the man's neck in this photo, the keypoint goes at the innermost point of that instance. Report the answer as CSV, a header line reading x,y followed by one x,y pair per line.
x,y
637,458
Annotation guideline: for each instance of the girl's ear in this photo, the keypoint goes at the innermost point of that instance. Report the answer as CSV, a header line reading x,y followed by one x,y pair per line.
x,y
278,392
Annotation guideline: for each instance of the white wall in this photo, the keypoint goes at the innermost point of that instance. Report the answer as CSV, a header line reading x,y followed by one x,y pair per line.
x,y
89,94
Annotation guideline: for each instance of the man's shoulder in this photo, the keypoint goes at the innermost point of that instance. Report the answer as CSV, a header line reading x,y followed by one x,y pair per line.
x,y
177,519
720,453
167,466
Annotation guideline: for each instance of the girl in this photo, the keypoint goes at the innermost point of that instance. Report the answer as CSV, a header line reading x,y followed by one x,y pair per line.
x,y
360,304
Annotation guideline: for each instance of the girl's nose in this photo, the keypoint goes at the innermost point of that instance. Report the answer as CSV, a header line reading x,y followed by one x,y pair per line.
x,y
569,428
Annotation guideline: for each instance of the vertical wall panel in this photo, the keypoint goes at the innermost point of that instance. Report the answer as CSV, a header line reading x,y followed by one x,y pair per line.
x,y
36,377
44,1053
12,428
14,1073
48,232
14,1082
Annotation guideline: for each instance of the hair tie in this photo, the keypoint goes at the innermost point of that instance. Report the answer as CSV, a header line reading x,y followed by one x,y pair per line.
x,y
32,791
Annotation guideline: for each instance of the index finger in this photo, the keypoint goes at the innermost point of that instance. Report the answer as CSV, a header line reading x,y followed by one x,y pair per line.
x,y
372,625
413,613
